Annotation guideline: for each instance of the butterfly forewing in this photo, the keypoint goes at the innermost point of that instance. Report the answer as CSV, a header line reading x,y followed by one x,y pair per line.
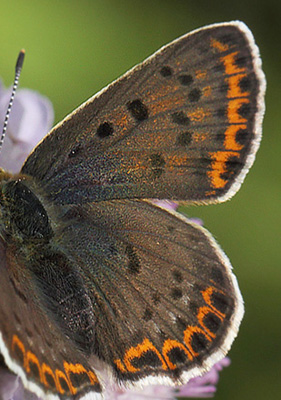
x,y
185,125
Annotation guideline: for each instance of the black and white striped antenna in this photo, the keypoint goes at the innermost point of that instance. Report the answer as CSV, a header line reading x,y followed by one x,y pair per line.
x,y
15,85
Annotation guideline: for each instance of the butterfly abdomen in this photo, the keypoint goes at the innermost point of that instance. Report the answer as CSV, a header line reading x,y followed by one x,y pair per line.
x,y
31,240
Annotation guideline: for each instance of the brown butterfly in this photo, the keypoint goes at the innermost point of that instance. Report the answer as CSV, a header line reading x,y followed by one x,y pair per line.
x,y
98,281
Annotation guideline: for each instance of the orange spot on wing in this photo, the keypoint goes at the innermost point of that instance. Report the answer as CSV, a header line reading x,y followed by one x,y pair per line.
x,y
188,333
199,137
233,111
177,162
202,313
210,193
78,369
219,167
60,375
170,344
93,377
46,369
120,365
31,358
207,296
218,45
17,342
207,90
163,101
153,95
200,74
138,351
199,114
120,119
161,94
229,64
230,137
234,88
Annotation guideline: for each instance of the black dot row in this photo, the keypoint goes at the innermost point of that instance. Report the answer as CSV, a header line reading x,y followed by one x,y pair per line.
x,y
140,112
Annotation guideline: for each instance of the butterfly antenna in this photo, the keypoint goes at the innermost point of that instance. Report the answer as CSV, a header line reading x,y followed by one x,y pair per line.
x,y
15,85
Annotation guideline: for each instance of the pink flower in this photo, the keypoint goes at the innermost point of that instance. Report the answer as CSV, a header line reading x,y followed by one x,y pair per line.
x,y
167,204
31,118
205,385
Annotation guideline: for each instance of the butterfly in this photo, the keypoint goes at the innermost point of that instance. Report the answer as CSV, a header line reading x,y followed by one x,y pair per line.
x,y
95,277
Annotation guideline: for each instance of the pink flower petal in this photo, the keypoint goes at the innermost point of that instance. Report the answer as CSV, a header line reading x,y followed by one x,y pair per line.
x,y
167,204
31,118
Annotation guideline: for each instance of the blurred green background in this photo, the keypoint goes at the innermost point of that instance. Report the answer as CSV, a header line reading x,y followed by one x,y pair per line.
x,y
74,48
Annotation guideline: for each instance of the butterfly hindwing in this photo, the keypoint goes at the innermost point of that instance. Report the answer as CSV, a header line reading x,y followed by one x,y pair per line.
x,y
186,302
184,124
33,342
122,287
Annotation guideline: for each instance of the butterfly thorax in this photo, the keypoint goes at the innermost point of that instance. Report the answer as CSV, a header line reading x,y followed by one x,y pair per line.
x,y
23,215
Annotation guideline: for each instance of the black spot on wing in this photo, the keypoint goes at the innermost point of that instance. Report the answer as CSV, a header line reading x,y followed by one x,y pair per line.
x,y
245,110
104,130
177,275
217,275
233,165
177,356
184,138
241,61
157,160
157,163
212,322
50,380
185,79
199,342
226,38
181,324
221,112
219,68
79,380
75,151
245,84
63,384
194,95
34,369
149,358
147,314
138,110
220,302
166,71
180,118
133,261
156,298
176,293
242,136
